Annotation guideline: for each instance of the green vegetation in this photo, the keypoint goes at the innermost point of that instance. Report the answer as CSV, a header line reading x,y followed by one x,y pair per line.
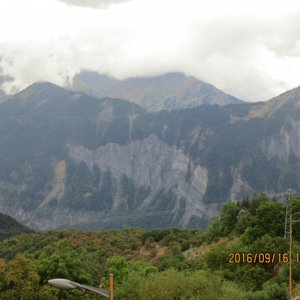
x,y
164,263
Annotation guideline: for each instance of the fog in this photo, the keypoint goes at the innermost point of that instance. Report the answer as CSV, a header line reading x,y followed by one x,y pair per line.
x,y
250,49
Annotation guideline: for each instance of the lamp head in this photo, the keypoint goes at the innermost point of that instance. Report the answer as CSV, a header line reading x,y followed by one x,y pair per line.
x,y
61,283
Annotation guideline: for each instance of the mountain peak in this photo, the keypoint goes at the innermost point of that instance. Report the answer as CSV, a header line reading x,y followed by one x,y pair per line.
x,y
41,90
167,91
170,75
42,86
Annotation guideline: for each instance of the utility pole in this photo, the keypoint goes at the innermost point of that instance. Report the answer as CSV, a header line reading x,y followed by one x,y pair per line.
x,y
289,231
291,257
111,287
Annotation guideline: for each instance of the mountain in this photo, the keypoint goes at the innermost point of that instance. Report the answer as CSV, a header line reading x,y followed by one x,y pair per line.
x,y
166,92
10,227
70,160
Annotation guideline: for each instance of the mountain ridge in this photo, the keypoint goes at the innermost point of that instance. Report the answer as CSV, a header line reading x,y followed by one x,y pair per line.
x,y
10,227
71,160
167,91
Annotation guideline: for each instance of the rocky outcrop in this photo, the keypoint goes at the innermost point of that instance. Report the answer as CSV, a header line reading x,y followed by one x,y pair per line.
x,y
284,143
153,164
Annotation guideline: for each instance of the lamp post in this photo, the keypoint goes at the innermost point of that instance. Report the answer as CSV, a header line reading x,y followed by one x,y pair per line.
x,y
66,284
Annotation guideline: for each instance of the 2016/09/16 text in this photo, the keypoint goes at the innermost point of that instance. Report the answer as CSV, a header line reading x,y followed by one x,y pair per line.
x,y
262,258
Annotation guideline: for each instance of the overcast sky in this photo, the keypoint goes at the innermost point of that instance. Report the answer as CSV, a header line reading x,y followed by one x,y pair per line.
x,y
247,48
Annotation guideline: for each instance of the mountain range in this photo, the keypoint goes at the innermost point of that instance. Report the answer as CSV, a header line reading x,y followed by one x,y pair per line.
x,y
165,92
68,159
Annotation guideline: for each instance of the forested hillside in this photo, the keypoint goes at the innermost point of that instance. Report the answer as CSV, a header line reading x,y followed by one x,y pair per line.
x,y
242,255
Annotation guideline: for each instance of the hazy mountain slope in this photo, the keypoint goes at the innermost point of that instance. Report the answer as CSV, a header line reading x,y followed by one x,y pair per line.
x,y
67,159
169,91
10,227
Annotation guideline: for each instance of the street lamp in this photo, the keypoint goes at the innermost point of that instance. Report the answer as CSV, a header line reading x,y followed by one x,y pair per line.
x,y
66,284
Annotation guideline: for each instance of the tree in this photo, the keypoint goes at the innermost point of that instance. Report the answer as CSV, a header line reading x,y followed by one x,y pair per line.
x,y
243,221
269,219
256,201
20,281
228,217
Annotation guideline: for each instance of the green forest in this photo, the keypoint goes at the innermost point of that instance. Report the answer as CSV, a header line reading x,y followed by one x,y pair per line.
x,y
242,255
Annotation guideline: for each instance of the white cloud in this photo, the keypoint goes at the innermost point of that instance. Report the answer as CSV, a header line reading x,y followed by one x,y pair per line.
x,y
241,46
93,3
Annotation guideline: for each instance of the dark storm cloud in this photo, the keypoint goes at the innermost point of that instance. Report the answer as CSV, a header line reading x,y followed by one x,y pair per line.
x,y
93,3
5,78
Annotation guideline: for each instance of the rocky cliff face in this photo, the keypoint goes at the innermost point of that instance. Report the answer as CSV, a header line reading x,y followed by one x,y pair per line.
x,y
142,175
284,143
155,166
70,160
